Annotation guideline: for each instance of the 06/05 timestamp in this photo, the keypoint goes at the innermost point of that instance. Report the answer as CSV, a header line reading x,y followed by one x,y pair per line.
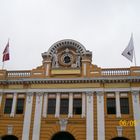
x,y
129,122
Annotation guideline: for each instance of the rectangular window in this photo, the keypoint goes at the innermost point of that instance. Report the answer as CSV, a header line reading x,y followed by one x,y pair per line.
x,y
20,106
77,106
8,105
51,106
64,106
124,105
111,106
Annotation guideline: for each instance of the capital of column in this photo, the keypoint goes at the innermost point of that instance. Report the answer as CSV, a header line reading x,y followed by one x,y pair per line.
x,y
29,93
99,93
135,92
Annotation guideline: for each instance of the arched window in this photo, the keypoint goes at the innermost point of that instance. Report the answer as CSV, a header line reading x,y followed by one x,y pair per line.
x,y
63,136
9,137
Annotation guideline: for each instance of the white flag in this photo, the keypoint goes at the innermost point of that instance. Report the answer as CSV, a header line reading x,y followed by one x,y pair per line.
x,y
129,50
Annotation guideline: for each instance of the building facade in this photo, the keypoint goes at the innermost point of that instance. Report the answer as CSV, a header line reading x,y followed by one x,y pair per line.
x,y
70,98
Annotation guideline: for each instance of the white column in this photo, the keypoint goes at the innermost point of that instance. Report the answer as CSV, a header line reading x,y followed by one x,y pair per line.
x,y
27,116
47,69
118,110
83,105
45,104
70,105
12,114
85,69
89,118
57,109
136,112
100,116
37,116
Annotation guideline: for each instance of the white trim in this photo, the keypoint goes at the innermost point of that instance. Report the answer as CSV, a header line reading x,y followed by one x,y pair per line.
x,y
100,116
118,109
57,108
83,105
136,111
12,114
50,90
70,114
37,117
45,105
27,117
89,118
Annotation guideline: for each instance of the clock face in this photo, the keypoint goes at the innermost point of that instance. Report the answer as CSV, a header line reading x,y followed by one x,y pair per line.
x,y
67,59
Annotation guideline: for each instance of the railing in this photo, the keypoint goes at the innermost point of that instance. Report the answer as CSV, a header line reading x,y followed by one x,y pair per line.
x,y
17,74
115,72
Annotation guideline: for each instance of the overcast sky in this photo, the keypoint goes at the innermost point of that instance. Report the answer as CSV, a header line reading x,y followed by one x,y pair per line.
x,y
102,26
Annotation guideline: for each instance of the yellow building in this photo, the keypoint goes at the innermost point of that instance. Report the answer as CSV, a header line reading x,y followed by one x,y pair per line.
x,y
69,98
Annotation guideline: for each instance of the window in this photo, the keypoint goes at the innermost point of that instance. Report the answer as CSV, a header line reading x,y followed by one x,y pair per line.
x,y
77,106
51,106
124,105
64,106
20,106
111,106
8,105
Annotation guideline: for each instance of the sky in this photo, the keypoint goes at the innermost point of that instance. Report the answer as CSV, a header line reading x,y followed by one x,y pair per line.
x,y
102,26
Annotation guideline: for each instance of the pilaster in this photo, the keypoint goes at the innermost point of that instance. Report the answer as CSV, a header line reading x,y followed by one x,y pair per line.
x,y
27,116
89,117
37,116
136,112
100,116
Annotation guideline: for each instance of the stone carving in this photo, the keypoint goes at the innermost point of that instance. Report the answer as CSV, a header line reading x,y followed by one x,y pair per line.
x,y
63,124
78,59
9,129
55,60
119,131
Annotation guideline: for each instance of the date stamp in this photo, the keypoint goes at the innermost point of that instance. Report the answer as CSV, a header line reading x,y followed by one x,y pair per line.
x,y
127,123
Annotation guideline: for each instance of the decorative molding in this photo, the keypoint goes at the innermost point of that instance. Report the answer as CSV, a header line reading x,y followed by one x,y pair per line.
x,y
89,95
76,90
63,124
100,96
9,129
101,79
119,130
135,96
29,95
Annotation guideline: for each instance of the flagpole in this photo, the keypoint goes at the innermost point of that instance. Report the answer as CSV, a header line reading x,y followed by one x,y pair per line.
x,y
3,66
134,51
135,58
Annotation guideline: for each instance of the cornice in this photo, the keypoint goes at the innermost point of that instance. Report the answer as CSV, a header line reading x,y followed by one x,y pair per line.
x,y
128,79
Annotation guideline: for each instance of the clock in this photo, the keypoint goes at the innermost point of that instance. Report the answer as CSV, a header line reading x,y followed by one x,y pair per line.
x,y
67,59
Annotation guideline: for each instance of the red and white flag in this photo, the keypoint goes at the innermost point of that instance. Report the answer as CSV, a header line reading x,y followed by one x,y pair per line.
x,y
6,55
